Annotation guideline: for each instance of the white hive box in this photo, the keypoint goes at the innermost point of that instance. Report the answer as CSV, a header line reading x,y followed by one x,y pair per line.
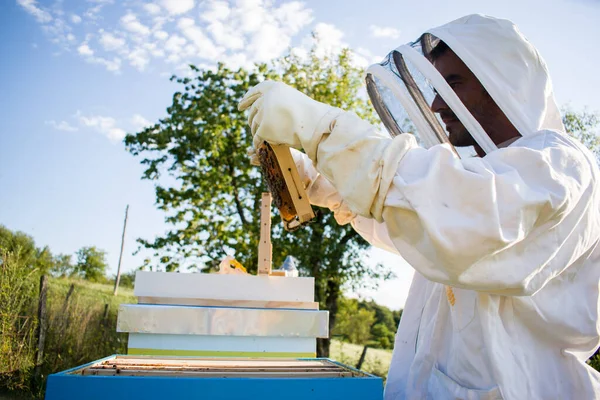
x,y
220,346
224,287
223,315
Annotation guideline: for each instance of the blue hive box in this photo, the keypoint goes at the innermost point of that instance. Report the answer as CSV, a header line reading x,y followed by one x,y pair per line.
x,y
145,377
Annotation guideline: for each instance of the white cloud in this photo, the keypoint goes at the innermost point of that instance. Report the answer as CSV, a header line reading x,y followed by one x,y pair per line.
x,y
175,44
31,7
110,42
138,122
293,16
177,7
329,39
226,35
237,60
59,32
152,9
61,126
268,43
139,58
204,46
237,32
154,49
161,35
216,11
113,65
384,32
107,126
223,32
85,50
131,23
252,15
185,23
92,13
270,29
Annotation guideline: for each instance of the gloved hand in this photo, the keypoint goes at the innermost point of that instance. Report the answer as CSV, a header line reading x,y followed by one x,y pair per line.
x,y
358,160
320,191
281,114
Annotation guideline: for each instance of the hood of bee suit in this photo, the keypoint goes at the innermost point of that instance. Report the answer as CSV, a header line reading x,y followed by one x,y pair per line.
x,y
509,67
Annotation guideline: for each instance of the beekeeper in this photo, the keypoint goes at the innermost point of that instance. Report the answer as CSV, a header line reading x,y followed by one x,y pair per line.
x,y
504,301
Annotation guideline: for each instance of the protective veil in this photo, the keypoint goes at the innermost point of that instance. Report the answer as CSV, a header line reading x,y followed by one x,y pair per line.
x,y
514,233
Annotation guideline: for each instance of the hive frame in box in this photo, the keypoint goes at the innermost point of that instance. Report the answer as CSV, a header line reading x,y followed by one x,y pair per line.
x,y
283,180
142,377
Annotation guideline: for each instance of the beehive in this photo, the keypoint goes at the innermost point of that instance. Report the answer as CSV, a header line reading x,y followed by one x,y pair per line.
x,y
137,377
223,315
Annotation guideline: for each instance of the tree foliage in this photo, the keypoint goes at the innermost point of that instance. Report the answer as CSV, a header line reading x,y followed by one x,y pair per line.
x,y
63,266
354,324
127,279
91,264
367,323
210,192
21,246
585,126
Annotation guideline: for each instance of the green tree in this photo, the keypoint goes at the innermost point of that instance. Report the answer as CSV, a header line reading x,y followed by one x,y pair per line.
x,y
212,204
127,279
62,266
21,246
397,315
383,315
382,336
44,260
353,324
385,325
585,126
91,264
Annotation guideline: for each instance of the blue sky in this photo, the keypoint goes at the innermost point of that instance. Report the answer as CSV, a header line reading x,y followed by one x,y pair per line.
x,y
76,75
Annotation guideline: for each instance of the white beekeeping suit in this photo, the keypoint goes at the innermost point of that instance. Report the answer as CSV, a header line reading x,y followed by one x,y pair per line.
x,y
505,299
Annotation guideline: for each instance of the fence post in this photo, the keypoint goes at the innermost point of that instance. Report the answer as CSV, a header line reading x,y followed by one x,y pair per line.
x,y
66,302
41,328
105,316
362,357
118,277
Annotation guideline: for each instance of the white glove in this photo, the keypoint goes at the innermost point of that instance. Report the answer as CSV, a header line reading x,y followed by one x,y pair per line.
x,y
320,191
358,160
280,114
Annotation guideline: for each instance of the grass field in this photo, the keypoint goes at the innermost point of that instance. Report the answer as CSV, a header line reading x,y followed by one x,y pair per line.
x,y
80,327
377,361
102,293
